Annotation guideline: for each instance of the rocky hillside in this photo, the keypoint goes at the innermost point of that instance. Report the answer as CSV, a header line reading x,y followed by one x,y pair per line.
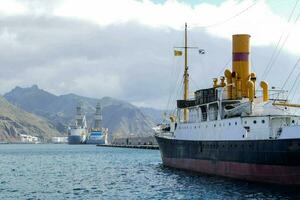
x,y
121,118
15,121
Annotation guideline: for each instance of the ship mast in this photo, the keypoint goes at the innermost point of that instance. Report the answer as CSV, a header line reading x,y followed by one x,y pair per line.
x,y
186,68
186,76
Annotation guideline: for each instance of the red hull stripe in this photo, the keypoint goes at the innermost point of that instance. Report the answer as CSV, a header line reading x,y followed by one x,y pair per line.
x,y
252,172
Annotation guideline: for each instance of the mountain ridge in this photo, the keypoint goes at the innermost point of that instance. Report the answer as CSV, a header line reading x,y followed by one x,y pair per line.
x,y
15,121
121,117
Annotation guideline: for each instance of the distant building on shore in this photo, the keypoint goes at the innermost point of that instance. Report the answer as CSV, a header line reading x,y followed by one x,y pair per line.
x,y
29,139
59,140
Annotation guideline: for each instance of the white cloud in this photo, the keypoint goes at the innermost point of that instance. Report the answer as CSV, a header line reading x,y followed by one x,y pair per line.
x,y
124,48
259,21
12,7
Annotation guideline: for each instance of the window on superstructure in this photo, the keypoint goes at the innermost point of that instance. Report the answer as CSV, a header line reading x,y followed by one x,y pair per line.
x,y
204,113
293,121
263,121
235,123
254,121
229,124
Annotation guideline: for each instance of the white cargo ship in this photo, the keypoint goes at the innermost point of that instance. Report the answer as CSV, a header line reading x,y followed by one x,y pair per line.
x,y
77,133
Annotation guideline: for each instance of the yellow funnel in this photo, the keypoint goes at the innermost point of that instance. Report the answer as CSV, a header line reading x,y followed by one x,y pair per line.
x,y
240,61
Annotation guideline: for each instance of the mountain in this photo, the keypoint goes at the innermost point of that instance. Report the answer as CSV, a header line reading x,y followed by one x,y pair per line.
x,y
15,121
120,117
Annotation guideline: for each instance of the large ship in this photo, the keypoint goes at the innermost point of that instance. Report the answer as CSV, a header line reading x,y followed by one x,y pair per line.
x,y
231,129
78,131
98,134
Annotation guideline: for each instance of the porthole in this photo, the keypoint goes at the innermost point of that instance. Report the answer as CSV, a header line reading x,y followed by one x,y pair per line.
x,y
263,121
254,121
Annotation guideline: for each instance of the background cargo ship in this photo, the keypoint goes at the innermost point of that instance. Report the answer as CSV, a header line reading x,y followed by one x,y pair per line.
x,y
77,133
98,134
231,130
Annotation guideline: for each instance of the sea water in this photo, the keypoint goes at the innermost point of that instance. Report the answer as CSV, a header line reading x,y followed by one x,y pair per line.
x,y
55,171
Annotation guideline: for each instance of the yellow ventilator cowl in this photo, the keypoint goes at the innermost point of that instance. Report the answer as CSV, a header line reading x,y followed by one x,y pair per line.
x,y
228,77
215,80
238,88
250,86
253,79
240,60
173,118
234,84
222,84
264,85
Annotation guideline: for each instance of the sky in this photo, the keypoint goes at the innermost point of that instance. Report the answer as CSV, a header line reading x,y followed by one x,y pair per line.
x,y
124,48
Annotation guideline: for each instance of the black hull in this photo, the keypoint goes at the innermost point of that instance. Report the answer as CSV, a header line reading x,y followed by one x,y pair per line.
x,y
274,161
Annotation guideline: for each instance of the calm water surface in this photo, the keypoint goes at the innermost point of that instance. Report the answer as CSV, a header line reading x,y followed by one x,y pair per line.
x,y
90,172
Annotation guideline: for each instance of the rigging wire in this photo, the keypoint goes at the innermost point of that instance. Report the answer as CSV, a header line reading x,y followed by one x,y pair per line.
x,y
194,82
177,96
297,78
174,73
174,92
223,69
295,91
276,53
228,19
290,74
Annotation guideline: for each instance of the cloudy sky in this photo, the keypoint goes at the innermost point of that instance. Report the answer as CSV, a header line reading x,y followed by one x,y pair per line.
x,y
124,48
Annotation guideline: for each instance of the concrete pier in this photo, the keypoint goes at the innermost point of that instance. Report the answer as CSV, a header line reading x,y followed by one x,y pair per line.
x,y
130,146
